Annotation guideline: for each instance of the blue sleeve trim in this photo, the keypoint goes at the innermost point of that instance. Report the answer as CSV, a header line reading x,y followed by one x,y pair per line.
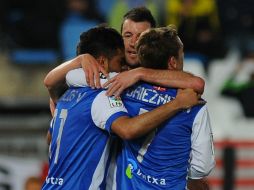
x,y
112,118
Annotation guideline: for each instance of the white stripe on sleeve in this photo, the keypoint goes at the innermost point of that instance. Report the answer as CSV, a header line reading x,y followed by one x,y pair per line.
x,y
202,159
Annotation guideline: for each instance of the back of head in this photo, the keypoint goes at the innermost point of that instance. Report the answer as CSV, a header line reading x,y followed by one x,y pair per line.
x,y
156,46
140,14
100,41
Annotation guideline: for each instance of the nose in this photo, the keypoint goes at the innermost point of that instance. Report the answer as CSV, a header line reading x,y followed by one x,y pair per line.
x,y
133,41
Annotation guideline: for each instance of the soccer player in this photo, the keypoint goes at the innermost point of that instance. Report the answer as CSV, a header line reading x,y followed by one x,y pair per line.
x,y
84,118
183,146
162,159
134,23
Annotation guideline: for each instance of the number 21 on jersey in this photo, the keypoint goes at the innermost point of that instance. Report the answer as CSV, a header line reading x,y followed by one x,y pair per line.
x,y
62,116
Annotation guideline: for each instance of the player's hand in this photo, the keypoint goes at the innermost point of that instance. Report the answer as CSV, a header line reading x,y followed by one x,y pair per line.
x,y
198,184
120,82
188,98
92,70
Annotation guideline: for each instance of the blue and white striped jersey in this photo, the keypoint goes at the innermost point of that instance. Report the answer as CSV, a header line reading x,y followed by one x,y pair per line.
x,y
182,147
80,146
161,159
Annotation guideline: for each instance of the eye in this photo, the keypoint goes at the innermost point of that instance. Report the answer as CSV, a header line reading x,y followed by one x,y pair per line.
x,y
127,35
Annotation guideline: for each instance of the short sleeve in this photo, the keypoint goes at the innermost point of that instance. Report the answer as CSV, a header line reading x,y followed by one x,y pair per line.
x,y
77,78
105,110
202,159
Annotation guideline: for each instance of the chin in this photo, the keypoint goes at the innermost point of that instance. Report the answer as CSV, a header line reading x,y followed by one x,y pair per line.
x,y
132,61
133,65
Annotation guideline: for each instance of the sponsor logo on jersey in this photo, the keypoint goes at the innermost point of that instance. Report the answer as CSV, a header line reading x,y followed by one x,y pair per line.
x,y
132,169
115,101
158,88
54,181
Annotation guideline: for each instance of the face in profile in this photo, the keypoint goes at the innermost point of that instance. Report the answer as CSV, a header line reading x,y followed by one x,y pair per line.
x,y
131,32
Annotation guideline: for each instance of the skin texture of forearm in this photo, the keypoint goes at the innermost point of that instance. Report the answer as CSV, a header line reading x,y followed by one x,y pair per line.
x,y
57,75
176,79
130,128
55,79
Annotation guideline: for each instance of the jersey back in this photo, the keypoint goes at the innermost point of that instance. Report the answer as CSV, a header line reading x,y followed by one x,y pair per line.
x,y
160,159
79,150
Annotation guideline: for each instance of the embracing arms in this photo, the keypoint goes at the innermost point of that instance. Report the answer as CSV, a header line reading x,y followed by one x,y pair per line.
x,y
55,79
167,78
129,128
176,79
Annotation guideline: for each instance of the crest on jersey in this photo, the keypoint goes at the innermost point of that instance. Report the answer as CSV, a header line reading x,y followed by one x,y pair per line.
x,y
115,101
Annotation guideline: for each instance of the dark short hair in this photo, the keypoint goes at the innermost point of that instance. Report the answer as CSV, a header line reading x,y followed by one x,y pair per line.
x,y
139,14
156,46
101,40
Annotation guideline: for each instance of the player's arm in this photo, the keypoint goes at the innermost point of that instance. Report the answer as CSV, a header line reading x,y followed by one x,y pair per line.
x,y
167,78
55,79
202,158
76,78
52,107
48,138
129,128
115,118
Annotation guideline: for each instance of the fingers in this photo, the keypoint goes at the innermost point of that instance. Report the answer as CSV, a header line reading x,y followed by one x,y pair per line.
x,y
109,82
97,81
87,73
91,79
97,75
92,71
92,76
104,72
119,92
113,88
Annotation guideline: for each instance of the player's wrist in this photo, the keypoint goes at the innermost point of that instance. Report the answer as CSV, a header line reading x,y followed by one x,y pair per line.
x,y
77,62
177,104
139,73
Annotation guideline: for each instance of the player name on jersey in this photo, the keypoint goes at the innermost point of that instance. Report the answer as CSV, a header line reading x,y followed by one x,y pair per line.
x,y
149,95
72,95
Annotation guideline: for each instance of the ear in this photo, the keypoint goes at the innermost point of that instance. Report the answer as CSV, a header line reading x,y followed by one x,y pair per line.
x,y
172,63
103,61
